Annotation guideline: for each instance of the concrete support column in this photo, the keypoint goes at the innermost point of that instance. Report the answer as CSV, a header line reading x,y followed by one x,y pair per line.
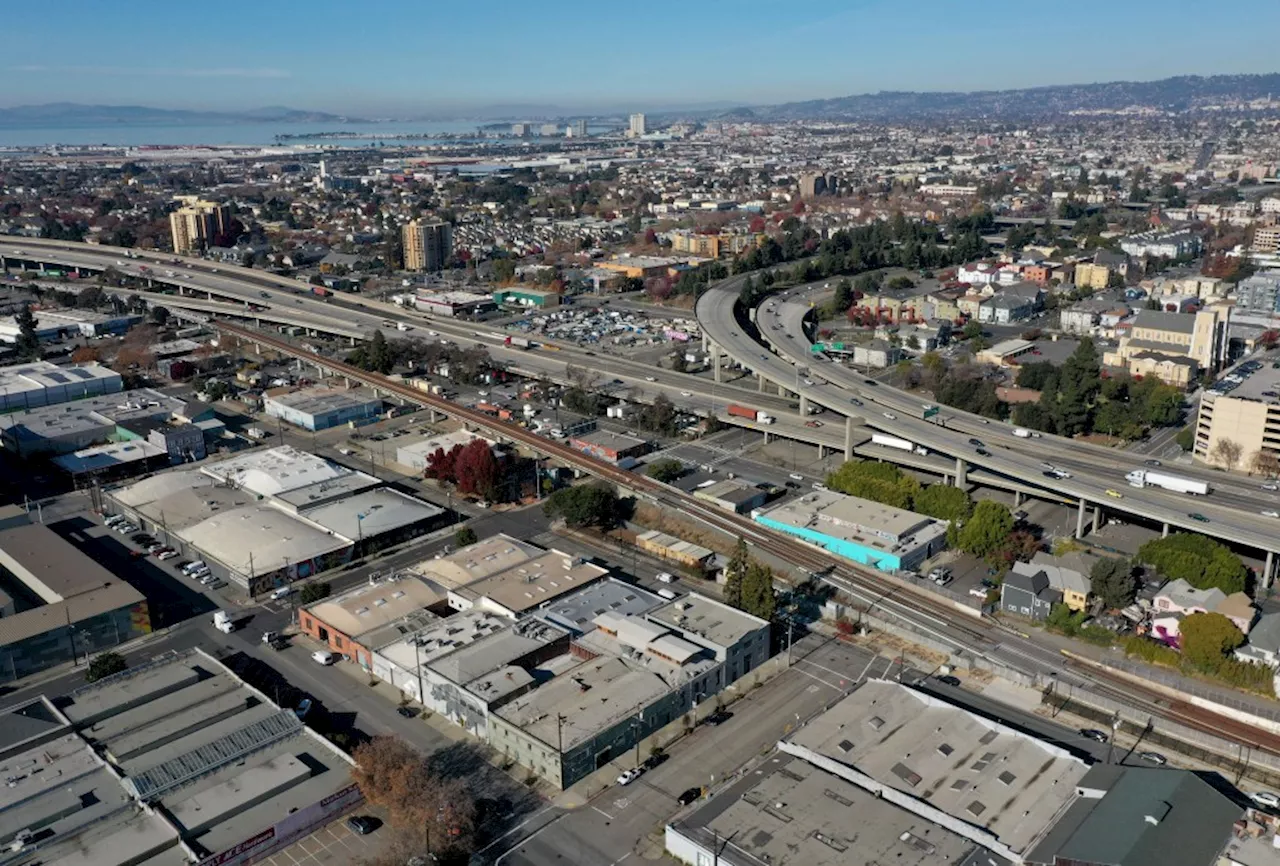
x,y
346,382
848,438
1266,571
715,361
431,415
1017,499
962,473
760,383
1164,531
822,451
804,406
1097,518
767,440
1080,519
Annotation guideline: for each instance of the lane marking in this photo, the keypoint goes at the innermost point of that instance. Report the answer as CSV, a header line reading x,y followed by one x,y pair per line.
x,y
814,677
603,812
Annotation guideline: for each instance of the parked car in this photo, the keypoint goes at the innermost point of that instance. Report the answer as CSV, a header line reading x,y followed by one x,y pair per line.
x,y
1093,734
690,796
629,776
167,553
948,680
362,825
1154,758
1266,798
406,712
719,717
323,657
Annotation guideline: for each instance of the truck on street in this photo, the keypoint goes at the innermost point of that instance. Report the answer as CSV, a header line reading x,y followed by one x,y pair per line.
x,y
1147,478
887,441
223,622
518,342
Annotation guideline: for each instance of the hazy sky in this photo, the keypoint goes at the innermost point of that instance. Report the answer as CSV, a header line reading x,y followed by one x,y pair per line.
x,y
383,57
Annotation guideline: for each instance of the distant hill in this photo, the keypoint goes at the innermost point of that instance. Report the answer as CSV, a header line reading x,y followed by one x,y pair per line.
x,y
71,114
1183,93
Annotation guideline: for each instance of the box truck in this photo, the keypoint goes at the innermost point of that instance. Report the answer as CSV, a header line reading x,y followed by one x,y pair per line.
x,y
1147,478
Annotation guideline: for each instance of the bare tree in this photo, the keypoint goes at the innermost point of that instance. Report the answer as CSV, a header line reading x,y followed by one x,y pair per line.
x,y
1265,463
1227,452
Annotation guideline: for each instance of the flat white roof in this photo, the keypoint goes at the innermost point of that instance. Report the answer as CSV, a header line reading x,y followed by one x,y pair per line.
x,y
365,608
258,538
272,471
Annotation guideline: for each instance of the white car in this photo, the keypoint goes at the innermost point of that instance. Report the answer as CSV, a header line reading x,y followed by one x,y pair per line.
x,y
166,554
1266,798
890,416
651,378
1271,486
323,657
1270,513
630,776
666,577
686,393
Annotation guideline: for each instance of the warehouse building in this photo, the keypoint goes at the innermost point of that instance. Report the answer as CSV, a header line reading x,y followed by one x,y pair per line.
x,y
456,304
732,496
355,622
67,323
320,408
536,299
625,678
528,584
40,383
267,517
118,417
172,762
892,539
57,604
413,455
611,447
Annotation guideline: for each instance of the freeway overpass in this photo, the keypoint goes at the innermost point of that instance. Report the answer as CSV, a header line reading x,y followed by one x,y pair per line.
x,y
780,321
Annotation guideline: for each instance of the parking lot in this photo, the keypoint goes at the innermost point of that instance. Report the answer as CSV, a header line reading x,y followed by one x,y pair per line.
x,y
333,843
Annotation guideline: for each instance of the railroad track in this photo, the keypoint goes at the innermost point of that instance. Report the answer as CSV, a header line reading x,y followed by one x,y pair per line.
x,y
912,606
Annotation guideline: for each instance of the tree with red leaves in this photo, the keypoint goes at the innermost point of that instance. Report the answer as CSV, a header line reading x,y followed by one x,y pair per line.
x,y
477,469
442,465
756,225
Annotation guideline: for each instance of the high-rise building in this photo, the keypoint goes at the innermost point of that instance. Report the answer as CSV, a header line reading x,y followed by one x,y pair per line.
x,y
197,223
427,246
578,129
812,185
636,128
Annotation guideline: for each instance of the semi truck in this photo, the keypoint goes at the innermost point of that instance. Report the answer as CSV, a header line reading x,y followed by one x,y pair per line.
x,y
757,415
1024,433
894,442
1147,478
222,622
517,342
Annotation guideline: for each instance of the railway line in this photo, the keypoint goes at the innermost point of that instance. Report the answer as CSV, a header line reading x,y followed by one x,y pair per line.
x,y
886,595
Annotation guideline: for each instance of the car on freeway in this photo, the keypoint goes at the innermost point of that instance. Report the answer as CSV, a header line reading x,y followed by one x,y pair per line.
x,y
1270,513
1152,462
982,452
629,776
813,423
855,401
1093,734
1266,798
686,393
1197,516
690,796
890,416
1271,486
976,443
1114,494
796,476
1048,466
870,382
1154,758
651,378
362,825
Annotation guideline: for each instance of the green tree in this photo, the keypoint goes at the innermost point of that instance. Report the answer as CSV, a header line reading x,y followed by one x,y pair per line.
x,y
735,574
464,537
313,592
504,270
943,502
1200,561
585,505
160,315
1207,638
757,591
972,330
986,531
1112,581
665,470
843,298
28,344
879,482
1186,438
104,665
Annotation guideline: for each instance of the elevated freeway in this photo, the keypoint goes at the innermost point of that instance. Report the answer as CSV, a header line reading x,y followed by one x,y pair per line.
x,y
1097,480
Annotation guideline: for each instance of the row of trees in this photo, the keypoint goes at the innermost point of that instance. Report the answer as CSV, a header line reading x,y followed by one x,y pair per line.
x,y
1200,561
467,365
749,584
886,483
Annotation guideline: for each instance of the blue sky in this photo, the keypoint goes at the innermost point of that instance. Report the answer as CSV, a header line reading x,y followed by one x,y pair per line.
x,y
393,57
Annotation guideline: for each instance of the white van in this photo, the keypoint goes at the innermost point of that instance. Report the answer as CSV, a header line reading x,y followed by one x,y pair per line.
x,y
667,594
323,657
666,577
282,592
194,566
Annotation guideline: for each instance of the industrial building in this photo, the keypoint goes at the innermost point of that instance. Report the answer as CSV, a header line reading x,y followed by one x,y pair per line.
x,y
267,517
413,455
527,584
428,246
530,298
40,383
319,408
65,324
455,304
356,622
65,427
626,677
613,447
172,762
57,604
892,539
732,495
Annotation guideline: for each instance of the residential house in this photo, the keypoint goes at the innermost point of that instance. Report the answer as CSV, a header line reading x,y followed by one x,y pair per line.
x,y
1264,642
1010,305
979,273
1181,598
1028,595
877,353
1068,574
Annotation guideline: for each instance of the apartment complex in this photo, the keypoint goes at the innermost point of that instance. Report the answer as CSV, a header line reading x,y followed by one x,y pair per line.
x,y
196,223
1174,347
713,246
427,246
1260,293
636,127
1244,413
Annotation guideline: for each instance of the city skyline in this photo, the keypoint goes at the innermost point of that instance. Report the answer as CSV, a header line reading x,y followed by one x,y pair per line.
x,y
535,62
